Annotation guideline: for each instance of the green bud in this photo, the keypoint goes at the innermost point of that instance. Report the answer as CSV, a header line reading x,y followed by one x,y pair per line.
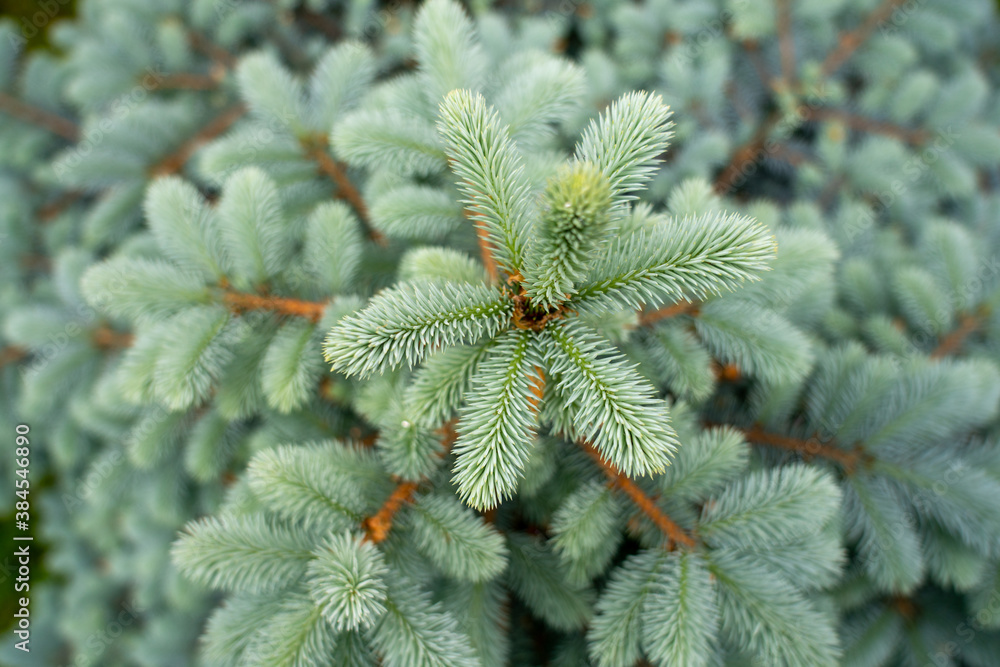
x,y
575,221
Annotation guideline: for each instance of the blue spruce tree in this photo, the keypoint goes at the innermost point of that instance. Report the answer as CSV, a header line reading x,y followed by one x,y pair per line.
x,y
586,334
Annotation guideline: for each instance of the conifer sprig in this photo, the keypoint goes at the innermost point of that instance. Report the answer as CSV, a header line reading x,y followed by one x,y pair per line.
x,y
52,122
574,224
670,529
402,324
491,174
351,543
626,142
529,322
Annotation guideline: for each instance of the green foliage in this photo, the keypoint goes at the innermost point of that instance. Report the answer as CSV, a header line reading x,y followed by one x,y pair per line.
x,y
402,323
656,333
573,226
497,432
676,260
243,554
618,411
456,540
348,584
682,613
490,172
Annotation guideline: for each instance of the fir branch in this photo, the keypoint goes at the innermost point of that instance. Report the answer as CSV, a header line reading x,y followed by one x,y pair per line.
x,y
490,171
106,338
59,204
242,553
615,408
786,42
574,225
953,342
770,507
456,539
850,41
46,120
12,354
315,148
626,142
447,48
348,582
651,317
497,425
378,525
405,323
745,155
175,161
848,459
241,302
675,534
440,384
323,485
912,136
687,258
189,81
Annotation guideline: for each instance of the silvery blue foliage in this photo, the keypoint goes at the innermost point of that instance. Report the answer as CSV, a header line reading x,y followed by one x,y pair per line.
x,y
609,334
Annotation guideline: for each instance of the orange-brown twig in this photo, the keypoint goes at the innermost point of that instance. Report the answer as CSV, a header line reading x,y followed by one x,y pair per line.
x,y
726,372
486,250
786,44
749,153
536,385
174,162
47,120
35,262
649,317
851,40
753,55
315,148
327,26
448,435
909,135
11,354
378,525
953,341
60,204
240,302
218,54
106,338
808,448
189,81
675,534
905,607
